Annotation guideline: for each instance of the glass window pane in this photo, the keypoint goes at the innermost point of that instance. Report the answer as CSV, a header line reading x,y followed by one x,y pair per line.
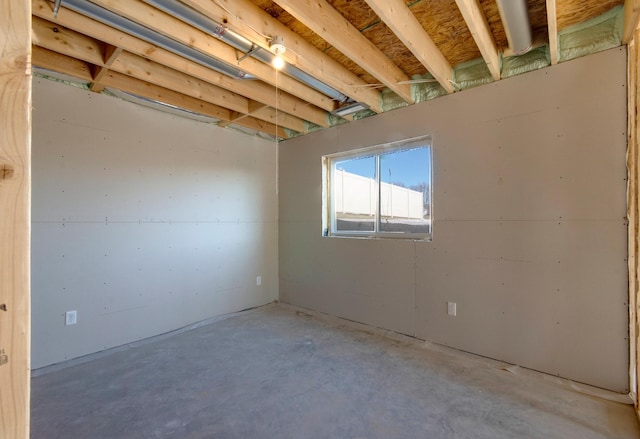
x,y
354,194
405,191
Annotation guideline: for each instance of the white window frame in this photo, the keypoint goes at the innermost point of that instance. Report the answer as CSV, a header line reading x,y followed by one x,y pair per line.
x,y
329,228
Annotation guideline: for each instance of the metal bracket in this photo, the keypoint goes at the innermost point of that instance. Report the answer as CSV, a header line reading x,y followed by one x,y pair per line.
x,y
56,7
254,49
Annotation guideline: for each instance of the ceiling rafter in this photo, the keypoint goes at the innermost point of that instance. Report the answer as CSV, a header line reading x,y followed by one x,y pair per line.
x,y
54,61
552,24
59,39
178,30
324,20
477,24
399,18
631,19
254,90
300,53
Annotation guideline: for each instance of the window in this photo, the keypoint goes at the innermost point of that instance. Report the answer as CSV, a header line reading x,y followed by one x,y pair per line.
x,y
383,191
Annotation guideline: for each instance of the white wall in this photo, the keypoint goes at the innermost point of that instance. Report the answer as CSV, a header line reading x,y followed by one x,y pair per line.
x,y
142,221
529,234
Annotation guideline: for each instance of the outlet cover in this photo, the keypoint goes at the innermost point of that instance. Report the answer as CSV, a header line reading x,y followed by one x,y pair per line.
x,y
258,280
451,308
71,317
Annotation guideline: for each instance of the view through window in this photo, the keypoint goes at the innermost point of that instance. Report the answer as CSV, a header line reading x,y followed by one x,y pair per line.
x,y
380,191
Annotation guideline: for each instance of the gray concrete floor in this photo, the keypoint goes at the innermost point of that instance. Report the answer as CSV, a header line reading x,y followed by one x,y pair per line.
x,y
278,372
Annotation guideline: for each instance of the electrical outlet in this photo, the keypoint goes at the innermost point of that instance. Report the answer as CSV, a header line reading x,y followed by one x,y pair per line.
x,y
258,280
71,317
451,308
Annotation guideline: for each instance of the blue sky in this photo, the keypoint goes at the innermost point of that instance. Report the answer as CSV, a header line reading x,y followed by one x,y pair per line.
x,y
410,167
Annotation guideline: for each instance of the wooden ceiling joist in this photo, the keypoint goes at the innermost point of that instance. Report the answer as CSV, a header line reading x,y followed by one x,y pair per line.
x,y
477,24
176,29
166,77
79,69
255,24
404,24
631,19
59,39
161,94
56,62
552,24
324,20
255,90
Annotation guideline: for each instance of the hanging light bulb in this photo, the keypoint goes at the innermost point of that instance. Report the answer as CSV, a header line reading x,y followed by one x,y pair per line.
x,y
278,48
278,62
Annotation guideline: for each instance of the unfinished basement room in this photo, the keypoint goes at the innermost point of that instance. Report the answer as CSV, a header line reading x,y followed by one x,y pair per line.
x,y
319,219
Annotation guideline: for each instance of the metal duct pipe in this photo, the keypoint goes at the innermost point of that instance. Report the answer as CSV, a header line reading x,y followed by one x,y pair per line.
x,y
515,18
109,18
208,26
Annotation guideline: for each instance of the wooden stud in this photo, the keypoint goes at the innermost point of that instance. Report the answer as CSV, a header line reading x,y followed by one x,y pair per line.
x,y
258,26
15,227
324,20
404,24
633,214
552,24
631,19
255,90
477,24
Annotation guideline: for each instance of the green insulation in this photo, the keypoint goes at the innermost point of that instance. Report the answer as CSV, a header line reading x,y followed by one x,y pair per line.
x,y
423,91
532,60
391,101
600,33
471,74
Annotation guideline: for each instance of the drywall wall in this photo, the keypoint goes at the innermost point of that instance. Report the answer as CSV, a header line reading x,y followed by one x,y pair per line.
x,y
143,222
529,234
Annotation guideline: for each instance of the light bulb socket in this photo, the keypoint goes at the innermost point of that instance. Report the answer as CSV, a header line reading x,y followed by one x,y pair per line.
x,y
276,44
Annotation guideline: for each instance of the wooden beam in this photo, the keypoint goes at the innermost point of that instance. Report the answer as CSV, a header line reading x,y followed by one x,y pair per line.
x,y
160,94
155,73
110,55
404,24
15,227
255,90
633,213
552,24
73,67
324,20
62,40
631,18
477,24
244,17
186,34
52,36
56,62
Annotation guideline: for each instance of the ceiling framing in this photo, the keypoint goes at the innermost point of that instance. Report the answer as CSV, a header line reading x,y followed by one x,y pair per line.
x,y
361,50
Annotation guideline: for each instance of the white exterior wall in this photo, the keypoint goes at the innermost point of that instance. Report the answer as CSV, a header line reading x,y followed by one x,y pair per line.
x,y
356,194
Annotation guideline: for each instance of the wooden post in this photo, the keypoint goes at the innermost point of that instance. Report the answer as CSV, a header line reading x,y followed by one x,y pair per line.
x,y
15,221
633,213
